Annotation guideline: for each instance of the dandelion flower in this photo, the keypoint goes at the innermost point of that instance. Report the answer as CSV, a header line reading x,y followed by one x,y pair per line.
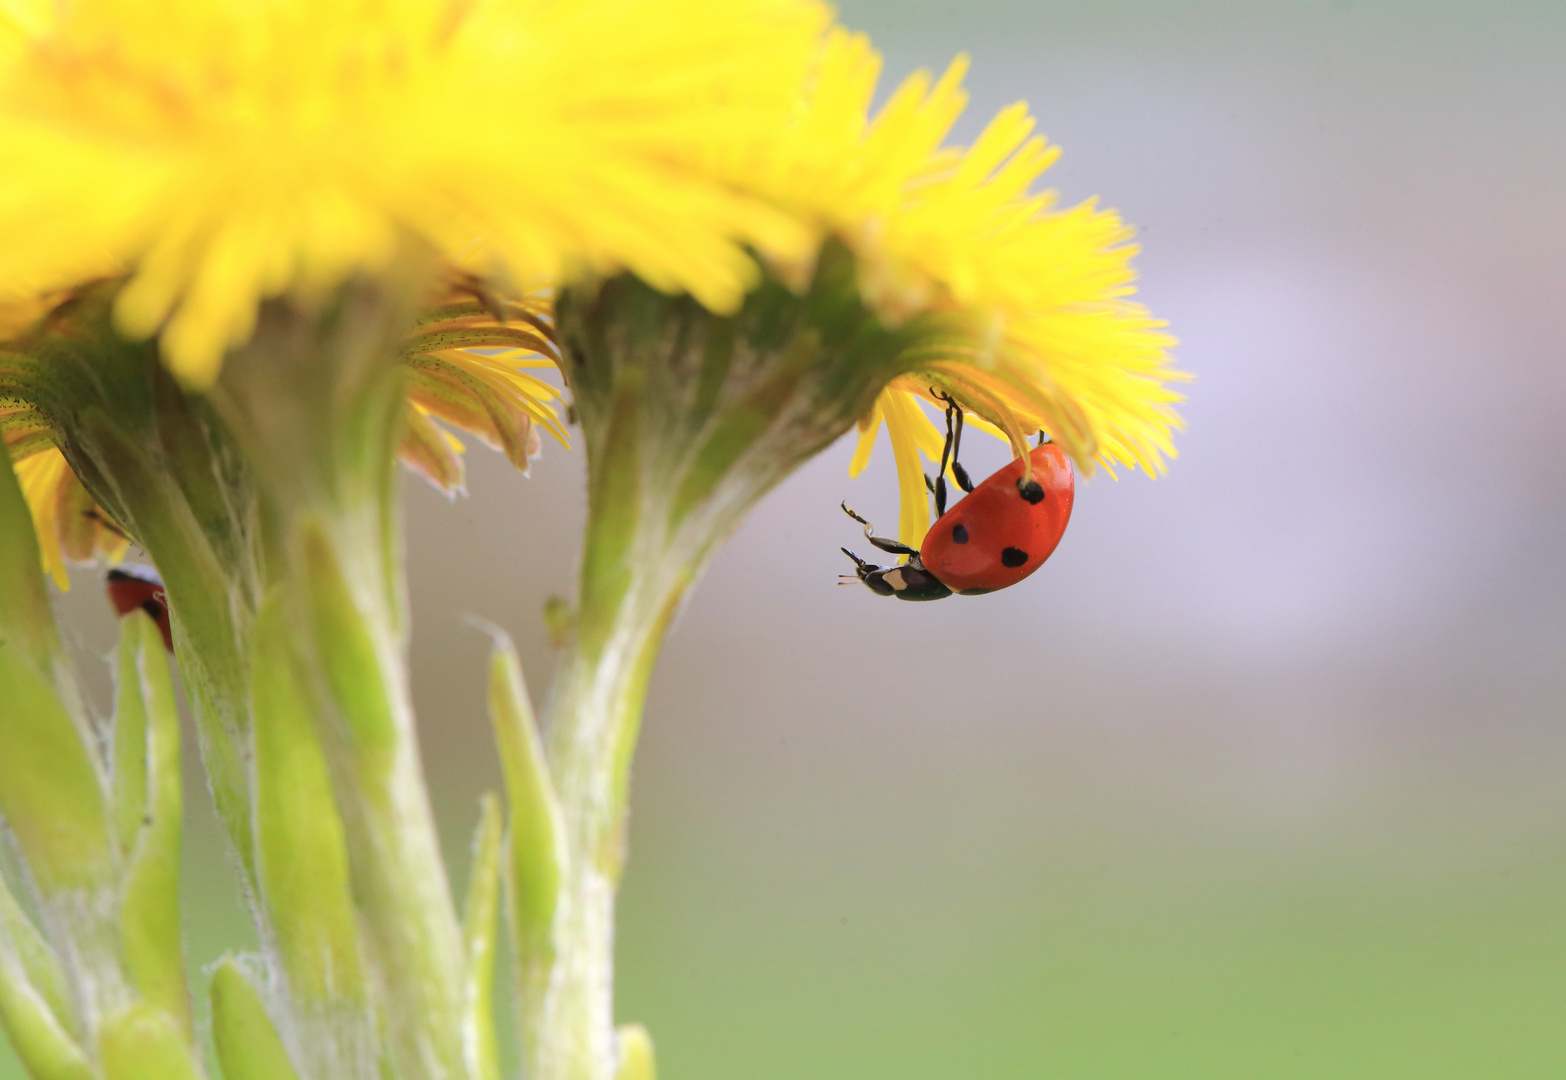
x,y
1042,333
260,150
466,365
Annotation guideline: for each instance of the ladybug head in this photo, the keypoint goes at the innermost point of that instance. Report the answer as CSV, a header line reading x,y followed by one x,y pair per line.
x,y
910,581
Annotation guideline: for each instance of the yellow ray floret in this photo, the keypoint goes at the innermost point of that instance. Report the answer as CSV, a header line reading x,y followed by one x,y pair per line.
x,y
912,433
64,516
257,149
1043,333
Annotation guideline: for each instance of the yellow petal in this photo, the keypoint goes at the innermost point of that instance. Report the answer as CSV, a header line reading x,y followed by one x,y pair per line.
x,y
869,428
903,424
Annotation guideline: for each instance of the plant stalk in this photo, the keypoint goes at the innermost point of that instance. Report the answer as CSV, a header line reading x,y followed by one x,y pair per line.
x,y
689,418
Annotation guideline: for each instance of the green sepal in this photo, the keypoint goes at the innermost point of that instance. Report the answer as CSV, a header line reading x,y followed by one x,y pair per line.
x,y
50,792
301,854
130,747
142,1042
247,1044
26,619
479,924
537,831
25,948
34,1002
164,522
347,650
636,1059
45,1047
147,772
202,599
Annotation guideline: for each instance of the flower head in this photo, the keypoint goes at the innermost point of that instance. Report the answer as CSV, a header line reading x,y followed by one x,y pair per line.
x,y
466,365
1042,335
263,149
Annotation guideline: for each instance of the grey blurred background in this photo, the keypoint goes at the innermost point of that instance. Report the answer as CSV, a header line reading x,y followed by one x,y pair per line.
x,y
1264,775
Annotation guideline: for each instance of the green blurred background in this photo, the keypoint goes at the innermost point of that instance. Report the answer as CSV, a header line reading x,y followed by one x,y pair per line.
x,y
1265,775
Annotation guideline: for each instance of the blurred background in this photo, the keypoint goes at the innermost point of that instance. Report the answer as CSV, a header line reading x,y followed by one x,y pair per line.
x,y
1264,775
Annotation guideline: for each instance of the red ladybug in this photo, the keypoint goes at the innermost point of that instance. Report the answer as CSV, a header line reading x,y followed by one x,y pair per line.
x,y
133,588
999,534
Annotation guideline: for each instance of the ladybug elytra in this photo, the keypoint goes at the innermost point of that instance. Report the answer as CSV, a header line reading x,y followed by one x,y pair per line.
x,y
1001,532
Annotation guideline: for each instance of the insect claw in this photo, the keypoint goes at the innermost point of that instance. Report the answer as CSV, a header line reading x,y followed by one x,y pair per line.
x,y
850,513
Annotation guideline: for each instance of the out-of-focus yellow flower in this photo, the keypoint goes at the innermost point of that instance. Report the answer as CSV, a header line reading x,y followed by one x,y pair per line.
x,y
19,21
467,365
224,151
1045,336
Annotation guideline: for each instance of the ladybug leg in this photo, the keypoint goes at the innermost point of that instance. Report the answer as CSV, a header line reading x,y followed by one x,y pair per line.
x,y
959,473
949,453
891,547
946,457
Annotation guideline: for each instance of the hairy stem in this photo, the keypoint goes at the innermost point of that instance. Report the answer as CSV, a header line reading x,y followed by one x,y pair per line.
x,y
316,399
689,418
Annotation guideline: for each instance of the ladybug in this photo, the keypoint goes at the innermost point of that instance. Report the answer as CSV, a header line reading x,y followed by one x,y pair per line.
x,y
999,534
139,588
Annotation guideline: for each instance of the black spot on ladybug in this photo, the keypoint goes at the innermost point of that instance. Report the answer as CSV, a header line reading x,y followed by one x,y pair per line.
x,y
1013,557
960,533
1031,490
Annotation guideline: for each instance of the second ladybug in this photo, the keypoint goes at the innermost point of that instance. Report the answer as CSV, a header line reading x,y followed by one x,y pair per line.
x,y
139,588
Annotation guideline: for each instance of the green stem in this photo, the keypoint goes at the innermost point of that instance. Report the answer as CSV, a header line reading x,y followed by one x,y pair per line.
x,y
567,1008
399,880
316,400
688,419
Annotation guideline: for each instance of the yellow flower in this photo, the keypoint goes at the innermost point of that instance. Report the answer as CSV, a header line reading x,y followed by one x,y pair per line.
x,y
262,150
19,21
224,151
1043,333
467,365
64,515
487,393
